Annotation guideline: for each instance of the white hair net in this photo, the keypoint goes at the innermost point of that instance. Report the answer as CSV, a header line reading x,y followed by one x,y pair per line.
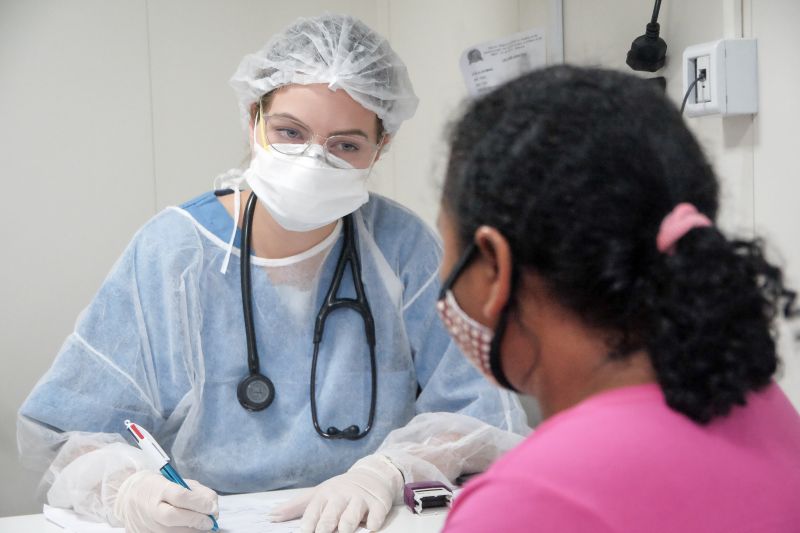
x,y
338,50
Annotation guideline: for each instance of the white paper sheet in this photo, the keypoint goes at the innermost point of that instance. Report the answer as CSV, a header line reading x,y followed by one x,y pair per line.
x,y
243,513
490,64
75,523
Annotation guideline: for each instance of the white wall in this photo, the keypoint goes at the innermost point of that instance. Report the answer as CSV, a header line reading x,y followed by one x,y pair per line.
x,y
111,110
77,167
776,167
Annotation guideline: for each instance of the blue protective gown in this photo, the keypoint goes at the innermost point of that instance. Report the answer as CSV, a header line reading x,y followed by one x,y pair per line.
x,y
163,344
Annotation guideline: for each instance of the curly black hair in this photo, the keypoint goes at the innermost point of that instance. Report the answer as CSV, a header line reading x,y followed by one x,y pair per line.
x,y
577,168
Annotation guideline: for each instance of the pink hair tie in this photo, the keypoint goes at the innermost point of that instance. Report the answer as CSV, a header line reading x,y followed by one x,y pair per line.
x,y
681,220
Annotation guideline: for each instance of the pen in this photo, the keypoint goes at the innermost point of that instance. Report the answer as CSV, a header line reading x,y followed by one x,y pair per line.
x,y
151,448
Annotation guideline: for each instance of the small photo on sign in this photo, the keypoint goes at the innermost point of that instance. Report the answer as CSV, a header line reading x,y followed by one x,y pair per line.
x,y
490,64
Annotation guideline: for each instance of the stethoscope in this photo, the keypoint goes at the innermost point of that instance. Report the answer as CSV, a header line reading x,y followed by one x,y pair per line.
x,y
256,391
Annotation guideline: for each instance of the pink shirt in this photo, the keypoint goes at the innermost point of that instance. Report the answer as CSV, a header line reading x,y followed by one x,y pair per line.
x,y
624,461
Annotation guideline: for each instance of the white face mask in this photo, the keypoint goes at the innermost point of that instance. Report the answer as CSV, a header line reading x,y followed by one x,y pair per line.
x,y
305,192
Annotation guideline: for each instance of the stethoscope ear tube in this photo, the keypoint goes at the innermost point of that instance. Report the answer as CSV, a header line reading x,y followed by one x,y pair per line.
x,y
349,254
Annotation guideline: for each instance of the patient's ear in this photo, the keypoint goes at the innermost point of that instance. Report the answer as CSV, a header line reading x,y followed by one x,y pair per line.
x,y
495,262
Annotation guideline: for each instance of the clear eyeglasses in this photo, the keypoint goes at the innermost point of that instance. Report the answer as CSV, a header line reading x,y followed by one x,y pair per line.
x,y
291,137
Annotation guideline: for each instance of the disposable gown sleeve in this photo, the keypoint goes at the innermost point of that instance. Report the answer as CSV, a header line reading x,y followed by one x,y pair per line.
x,y
107,371
443,446
86,470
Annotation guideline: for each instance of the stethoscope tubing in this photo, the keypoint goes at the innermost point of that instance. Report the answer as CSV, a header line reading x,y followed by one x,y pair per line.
x,y
359,304
247,287
349,254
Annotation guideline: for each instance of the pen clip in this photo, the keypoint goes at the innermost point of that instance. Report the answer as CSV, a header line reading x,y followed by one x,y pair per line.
x,y
147,443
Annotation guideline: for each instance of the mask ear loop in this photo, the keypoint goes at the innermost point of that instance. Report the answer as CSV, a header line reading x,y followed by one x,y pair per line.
x,y
237,204
260,124
375,155
237,196
495,364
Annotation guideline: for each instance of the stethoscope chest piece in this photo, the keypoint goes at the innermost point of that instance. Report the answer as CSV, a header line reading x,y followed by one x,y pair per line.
x,y
255,392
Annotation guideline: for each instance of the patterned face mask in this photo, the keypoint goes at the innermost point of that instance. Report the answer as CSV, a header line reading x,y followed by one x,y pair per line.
x,y
479,344
472,338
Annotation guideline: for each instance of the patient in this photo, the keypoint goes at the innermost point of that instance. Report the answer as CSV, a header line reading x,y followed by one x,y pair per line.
x,y
583,267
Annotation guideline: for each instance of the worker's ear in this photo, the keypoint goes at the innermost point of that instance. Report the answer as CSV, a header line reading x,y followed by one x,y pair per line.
x,y
252,122
253,112
496,267
383,145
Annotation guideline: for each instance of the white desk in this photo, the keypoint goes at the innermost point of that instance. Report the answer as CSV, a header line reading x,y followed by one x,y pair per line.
x,y
400,519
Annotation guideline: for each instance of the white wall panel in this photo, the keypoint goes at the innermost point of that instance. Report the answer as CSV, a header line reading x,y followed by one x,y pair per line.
x,y
430,36
75,149
600,34
776,163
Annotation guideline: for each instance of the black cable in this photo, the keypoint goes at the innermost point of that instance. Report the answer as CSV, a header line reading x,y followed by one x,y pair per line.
x,y
701,77
656,9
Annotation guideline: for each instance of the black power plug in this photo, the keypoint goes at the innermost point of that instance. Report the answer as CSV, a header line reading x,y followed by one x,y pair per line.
x,y
649,51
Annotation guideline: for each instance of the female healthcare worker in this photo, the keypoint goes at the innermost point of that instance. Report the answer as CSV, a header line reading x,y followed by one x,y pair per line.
x,y
595,279
163,343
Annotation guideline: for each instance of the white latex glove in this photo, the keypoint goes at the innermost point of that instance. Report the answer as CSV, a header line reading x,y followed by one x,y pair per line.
x,y
442,446
368,490
148,502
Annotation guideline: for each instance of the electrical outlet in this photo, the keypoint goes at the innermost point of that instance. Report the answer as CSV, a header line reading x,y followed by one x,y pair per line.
x,y
731,77
703,88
